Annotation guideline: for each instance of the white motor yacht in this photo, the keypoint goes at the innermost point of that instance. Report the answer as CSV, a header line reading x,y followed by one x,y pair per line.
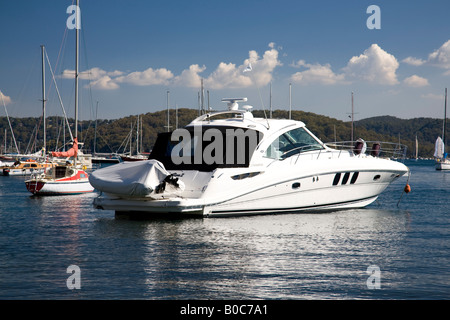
x,y
230,163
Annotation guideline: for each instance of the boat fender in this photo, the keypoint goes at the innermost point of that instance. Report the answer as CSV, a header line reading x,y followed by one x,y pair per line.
x,y
407,188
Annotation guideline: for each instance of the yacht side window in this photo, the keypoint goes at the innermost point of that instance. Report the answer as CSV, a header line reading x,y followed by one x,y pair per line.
x,y
292,142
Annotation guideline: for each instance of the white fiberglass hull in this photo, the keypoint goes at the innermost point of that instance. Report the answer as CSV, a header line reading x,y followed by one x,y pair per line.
x,y
77,183
21,172
289,188
443,164
60,188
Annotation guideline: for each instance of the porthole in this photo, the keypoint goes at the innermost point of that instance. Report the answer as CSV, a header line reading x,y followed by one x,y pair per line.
x,y
245,175
296,185
354,177
345,178
337,177
377,177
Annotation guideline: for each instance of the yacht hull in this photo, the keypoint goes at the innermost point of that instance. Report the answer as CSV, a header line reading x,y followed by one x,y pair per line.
x,y
333,190
241,165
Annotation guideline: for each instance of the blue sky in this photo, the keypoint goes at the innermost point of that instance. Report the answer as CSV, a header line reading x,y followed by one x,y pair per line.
x,y
133,52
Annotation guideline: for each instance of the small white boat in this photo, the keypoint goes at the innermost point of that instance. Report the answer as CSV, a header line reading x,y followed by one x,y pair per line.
x,y
442,160
70,178
60,180
137,157
230,163
442,164
105,158
26,168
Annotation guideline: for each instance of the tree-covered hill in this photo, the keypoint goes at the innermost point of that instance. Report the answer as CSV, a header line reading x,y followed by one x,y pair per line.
x,y
426,130
112,135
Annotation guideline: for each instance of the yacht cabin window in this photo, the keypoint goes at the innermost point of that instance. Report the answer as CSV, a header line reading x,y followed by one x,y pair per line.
x,y
292,142
206,148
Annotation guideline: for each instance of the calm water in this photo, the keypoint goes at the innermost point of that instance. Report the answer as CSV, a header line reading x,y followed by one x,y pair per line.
x,y
291,256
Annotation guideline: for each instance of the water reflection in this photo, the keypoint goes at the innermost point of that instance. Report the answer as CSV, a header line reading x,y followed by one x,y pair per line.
x,y
290,256
283,256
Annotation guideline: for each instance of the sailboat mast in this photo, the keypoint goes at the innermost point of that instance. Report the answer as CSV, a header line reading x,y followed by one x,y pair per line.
x,y
270,100
168,113
95,132
445,117
77,35
290,101
77,40
137,136
202,96
352,116
43,97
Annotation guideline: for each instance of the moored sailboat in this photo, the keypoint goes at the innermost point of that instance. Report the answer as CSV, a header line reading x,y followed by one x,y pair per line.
x,y
442,161
69,178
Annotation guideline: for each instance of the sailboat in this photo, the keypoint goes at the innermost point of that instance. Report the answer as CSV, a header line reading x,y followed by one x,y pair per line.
x,y
417,149
69,178
139,156
442,161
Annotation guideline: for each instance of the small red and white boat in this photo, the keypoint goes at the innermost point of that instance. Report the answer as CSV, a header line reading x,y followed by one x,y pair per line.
x,y
62,179
67,178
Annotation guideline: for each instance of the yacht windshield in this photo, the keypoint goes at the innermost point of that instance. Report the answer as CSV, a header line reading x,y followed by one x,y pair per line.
x,y
206,148
292,142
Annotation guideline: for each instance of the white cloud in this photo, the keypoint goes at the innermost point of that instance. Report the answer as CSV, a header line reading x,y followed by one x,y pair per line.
x,y
316,73
438,58
105,83
189,77
413,61
6,99
91,74
147,77
432,96
374,65
416,81
226,75
441,56
262,68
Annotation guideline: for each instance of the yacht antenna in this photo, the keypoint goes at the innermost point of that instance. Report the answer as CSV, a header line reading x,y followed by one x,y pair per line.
x,y
352,115
249,68
233,103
